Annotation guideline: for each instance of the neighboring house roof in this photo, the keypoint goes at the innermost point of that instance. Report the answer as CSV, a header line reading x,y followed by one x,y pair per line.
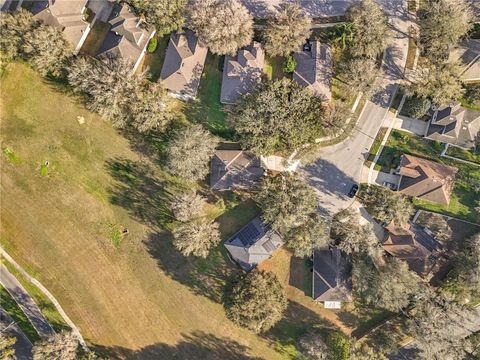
x,y
426,179
314,68
65,15
234,169
412,245
332,276
183,64
455,125
253,244
127,38
468,54
242,72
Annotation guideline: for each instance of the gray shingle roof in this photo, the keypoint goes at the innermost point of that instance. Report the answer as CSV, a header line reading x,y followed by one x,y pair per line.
x,y
254,243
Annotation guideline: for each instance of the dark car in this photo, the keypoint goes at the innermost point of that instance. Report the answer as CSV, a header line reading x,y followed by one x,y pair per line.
x,y
353,191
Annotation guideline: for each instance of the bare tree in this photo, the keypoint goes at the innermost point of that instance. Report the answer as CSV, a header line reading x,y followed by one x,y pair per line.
x,y
223,26
287,30
190,152
62,346
187,205
196,237
370,30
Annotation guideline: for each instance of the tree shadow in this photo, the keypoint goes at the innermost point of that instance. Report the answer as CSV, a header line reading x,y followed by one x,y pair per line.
x,y
300,275
141,191
194,346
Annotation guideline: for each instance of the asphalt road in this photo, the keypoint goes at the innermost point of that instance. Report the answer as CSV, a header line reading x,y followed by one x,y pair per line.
x,y
23,346
339,166
26,303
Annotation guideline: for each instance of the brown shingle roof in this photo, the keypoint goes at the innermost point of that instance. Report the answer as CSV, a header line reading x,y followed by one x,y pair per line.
x,y
434,181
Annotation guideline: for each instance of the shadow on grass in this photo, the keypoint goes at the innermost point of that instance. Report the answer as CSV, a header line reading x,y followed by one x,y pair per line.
x,y
196,345
300,274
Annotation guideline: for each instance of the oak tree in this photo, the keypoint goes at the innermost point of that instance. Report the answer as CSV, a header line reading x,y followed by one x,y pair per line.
x,y
196,237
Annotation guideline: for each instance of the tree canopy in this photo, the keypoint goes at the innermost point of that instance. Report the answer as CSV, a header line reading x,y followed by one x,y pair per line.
x,y
165,15
256,301
386,205
196,237
190,152
187,205
362,75
370,32
278,116
390,286
442,24
114,91
223,26
287,30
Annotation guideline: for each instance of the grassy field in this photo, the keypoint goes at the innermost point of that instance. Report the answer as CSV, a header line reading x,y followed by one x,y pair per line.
x,y
140,299
137,298
11,307
463,197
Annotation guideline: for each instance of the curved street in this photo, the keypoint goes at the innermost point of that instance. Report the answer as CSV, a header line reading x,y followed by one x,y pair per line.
x,y
340,166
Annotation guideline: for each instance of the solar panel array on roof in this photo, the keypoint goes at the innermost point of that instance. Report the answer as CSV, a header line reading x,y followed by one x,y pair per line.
x,y
268,245
248,235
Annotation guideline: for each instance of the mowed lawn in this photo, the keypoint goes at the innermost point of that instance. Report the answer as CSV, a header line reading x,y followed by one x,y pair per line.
x,y
137,300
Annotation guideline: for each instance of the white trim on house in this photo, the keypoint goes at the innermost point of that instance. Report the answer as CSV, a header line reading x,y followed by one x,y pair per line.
x,y
144,51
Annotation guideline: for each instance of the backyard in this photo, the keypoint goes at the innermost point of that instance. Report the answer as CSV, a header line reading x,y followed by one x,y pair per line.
x,y
463,198
76,181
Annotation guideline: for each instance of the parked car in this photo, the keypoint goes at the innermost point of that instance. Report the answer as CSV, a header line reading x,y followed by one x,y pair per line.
x,y
390,185
353,191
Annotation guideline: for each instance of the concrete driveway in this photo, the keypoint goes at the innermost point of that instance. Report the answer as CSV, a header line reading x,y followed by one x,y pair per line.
x,y
340,166
414,126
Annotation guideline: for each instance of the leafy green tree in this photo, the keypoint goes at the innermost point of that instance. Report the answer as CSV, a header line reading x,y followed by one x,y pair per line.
x,y
440,83
14,27
117,94
256,301
339,346
351,236
47,50
307,237
187,205
442,24
390,286
343,33
417,107
278,116
61,346
165,15
362,75
386,205
370,29
336,117
196,237
223,26
289,64
286,202
189,153
287,30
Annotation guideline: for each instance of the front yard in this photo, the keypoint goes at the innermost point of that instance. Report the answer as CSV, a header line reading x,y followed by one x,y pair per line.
x,y
463,198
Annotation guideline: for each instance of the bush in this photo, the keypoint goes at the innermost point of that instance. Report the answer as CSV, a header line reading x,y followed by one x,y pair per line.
x,y
339,346
152,45
289,64
416,107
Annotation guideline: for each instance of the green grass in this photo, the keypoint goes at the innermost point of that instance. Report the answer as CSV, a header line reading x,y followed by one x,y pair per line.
x,y
115,235
274,68
95,38
369,320
12,157
412,49
11,307
154,61
46,306
462,201
468,155
207,109
43,170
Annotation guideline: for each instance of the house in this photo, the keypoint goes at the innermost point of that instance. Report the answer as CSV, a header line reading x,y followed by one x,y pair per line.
x,y
454,125
183,65
65,15
314,68
241,73
412,245
332,277
234,169
426,180
253,244
468,55
128,37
